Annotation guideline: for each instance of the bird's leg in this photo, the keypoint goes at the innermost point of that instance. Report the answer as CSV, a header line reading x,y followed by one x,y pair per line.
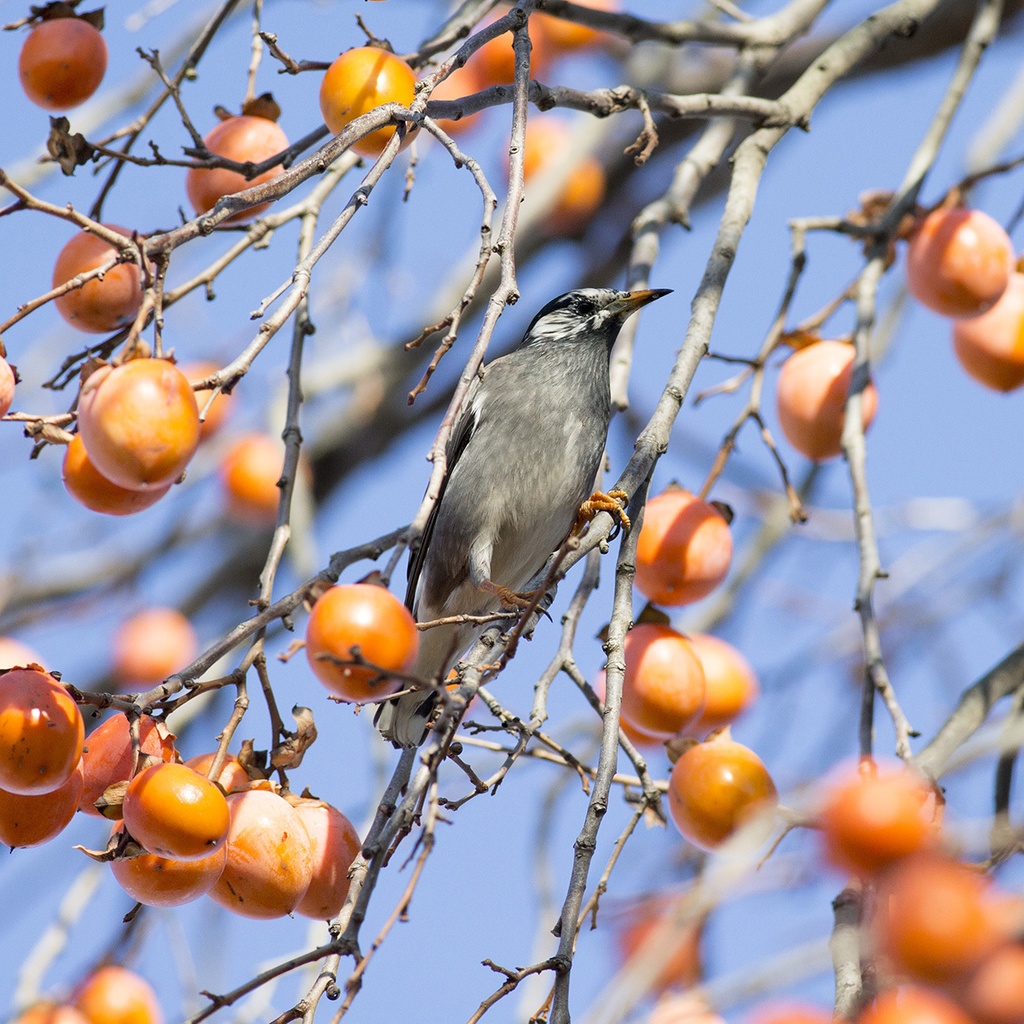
x,y
480,576
612,502
509,598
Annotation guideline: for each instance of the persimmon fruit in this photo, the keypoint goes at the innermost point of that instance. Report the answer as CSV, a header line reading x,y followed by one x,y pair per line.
x,y
334,844
47,1012
912,1004
684,549
217,411
232,777
958,262
937,918
102,304
365,619
495,61
165,881
114,995
731,683
107,754
270,860
638,737
245,138
994,993
173,811
564,36
874,815
789,1013
139,422
89,487
460,83
646,929
15,653
151,645
990,347
249,473
360,80
41,732
811,398
715,788
31,820
62,63
548,142
663,690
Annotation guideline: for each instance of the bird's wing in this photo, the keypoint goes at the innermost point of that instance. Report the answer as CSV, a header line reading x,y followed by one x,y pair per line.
x,y
461,433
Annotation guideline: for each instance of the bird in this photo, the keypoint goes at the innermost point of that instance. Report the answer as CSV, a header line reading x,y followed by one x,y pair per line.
x,y
521,460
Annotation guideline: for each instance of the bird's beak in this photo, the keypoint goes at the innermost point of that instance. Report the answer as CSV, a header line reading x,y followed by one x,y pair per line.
x,y
627,303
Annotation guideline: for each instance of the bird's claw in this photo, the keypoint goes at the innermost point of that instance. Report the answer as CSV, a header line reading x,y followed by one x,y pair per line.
x,y
612,502
509,598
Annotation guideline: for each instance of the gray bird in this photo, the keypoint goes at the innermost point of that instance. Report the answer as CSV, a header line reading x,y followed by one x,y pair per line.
x,y
522,458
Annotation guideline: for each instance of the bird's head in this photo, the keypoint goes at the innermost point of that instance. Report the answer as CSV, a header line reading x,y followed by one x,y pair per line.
x,y
587,314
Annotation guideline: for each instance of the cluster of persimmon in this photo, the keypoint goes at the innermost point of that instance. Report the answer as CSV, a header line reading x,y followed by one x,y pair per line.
x,y
178,833
961,264
942,928
108,994
685,691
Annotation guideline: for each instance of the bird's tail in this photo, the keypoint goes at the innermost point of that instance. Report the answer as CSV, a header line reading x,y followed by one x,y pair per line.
x,y
403,720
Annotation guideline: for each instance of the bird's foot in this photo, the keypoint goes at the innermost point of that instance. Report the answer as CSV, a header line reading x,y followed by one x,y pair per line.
x,y
612,502
510,598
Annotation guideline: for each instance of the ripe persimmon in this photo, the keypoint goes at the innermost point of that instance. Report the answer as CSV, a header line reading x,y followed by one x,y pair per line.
x,y
62,62
173,811
101,304
41,732
994,993
35,819
246,138
15,653
912,1004
334,844
684,549
495,61
249,473
715,788
47,1012
460,83
152,644
270,861
731,683
958,262
548,142
647,929
638,737
937,918
139,422
232,777
663,690
365,620
165,881
7,384
874,815
360,80
789,1013
107,754
811,398
563,35
218,409
114,995
990,347
89,487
